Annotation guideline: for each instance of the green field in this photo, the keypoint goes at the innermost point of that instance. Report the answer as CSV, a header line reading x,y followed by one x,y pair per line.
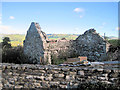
x,y
17,39
60,36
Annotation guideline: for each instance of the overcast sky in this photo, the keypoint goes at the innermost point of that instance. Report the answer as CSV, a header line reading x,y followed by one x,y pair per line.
x,y
60,17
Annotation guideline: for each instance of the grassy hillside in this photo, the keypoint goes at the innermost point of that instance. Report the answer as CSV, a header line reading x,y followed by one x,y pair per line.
x,y
17,39
59,36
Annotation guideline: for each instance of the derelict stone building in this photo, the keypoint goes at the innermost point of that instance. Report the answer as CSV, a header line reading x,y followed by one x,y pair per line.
x,y
39,49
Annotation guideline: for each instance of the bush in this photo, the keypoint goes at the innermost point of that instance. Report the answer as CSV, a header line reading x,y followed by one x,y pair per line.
x,y
63,54
115,42
55,60
6,42
14,55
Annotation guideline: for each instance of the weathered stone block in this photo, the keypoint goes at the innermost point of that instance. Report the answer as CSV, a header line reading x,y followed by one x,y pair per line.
x,y
81,73
69,78
29,77
63,86
101,78
72,73
39,77
54,82
58,75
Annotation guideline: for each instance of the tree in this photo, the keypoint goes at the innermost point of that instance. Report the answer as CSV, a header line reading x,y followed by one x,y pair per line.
x,y
6,43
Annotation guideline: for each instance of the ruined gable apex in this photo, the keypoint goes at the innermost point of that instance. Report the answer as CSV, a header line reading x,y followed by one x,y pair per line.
x,y
34,43
92,30
90,35
35,29
34,26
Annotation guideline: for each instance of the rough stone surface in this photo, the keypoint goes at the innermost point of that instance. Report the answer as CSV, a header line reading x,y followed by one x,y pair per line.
x,y
34,43
114,53
38,76
92,45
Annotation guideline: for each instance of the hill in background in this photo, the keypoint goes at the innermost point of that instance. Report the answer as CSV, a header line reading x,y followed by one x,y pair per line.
x,y
17,39
60,36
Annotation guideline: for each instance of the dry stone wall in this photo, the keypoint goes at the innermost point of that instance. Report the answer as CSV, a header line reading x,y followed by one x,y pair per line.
x,y
52,76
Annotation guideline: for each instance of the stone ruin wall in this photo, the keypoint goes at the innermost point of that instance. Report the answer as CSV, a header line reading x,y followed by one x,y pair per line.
x,y
61,48
39,48
89,44
92,45
34,43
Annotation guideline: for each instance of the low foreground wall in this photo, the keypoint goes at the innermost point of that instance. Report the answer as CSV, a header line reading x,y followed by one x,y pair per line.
x,y
52,76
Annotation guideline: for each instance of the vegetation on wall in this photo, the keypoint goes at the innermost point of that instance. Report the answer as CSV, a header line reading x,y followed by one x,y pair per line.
x,y
114,50
114,42
55,60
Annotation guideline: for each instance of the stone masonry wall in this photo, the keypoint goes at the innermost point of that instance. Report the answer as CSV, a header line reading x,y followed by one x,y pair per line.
x,y
50,76
34,43
92,45
62,48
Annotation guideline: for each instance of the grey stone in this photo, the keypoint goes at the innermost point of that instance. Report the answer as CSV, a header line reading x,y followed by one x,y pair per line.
x,y
29,77
101,78
72,73
54,82
58,75
69,78
39,77
113,79
99,69
81,73
63,86
34,43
